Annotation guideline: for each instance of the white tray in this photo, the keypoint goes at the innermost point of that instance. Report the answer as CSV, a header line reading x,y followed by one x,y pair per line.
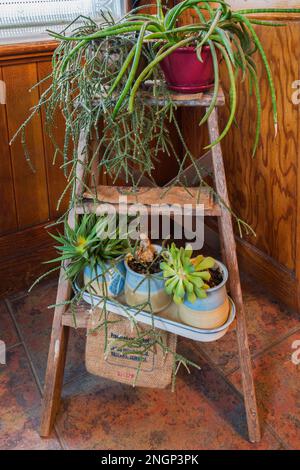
x,y
167,320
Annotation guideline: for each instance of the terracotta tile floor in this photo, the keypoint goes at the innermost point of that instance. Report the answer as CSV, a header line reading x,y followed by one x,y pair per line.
x,y
205,412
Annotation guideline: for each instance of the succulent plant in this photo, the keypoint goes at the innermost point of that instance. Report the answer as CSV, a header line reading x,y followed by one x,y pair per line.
x,y
185,277
89,243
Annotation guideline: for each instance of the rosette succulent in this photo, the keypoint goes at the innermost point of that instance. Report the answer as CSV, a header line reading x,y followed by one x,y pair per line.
x,y
185,276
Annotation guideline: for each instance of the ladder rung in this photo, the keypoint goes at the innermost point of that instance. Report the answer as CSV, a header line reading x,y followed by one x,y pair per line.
x,y
202,99
152,198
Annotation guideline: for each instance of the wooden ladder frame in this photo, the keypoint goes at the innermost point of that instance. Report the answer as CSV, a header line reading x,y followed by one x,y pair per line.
x,y
60,331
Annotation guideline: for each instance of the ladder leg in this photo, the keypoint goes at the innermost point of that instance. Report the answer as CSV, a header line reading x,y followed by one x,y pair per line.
x,y
228,242
241,330
60,334
56,360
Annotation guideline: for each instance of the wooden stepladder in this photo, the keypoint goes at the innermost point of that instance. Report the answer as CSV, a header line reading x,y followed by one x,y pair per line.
x,y
62,321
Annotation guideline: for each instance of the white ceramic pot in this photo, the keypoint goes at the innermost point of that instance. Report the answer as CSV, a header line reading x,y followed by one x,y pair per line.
x,y
137,288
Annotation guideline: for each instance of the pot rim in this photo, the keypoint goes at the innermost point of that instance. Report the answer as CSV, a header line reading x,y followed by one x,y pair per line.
x,y
225,277
158,249
212,289
188,49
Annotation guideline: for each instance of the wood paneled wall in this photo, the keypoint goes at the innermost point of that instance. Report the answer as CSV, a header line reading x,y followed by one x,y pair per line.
x,y
28,195
265,190
240,4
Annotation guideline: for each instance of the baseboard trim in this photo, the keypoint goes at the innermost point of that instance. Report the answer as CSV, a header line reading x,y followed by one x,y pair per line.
x,y
280,282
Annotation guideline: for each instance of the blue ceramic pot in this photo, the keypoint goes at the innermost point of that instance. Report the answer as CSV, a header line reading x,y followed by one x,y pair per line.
x,y
112,278
137,288
211,312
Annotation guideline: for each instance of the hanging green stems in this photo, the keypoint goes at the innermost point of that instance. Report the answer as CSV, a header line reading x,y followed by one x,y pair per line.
x,y
229,32
112,61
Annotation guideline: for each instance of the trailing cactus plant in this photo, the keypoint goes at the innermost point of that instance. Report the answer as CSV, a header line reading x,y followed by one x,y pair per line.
x,y
229,34
99,71
185,277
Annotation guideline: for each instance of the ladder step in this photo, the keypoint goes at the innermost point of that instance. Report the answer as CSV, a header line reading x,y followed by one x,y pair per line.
x,y
202,99
153,198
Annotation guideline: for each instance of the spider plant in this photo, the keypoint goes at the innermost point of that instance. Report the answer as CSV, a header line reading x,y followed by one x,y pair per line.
x,y
230,35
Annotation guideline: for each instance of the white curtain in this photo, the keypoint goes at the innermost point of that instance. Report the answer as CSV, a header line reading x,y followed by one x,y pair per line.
x,y
32,17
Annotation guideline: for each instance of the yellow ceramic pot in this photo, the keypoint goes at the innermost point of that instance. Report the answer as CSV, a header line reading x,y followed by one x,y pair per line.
x,y
211,312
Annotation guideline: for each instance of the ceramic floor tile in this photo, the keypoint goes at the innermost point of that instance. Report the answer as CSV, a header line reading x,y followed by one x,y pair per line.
x,y
277,381
20,406
267,321
34,320
203,413
8,332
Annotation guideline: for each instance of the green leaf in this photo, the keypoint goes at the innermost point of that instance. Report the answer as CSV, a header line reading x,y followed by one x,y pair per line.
x,y
191,297
205,275
197,281
188,286
171,287
179,290
206,263
200,293
177,300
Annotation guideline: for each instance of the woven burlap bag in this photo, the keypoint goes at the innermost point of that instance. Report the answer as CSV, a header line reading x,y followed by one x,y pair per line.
x,y
153,369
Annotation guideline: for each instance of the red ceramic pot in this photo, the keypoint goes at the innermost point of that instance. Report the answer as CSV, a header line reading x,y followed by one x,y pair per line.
x,y
185,73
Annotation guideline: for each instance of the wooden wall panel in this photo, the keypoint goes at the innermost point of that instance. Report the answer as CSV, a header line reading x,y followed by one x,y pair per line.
x,y
24,242
8,219
263,190
241,4
22,254
30,187
55,175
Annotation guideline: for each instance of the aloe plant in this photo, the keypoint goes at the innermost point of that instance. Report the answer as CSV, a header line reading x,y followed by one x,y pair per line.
x,y
228,33
185,277
90,242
